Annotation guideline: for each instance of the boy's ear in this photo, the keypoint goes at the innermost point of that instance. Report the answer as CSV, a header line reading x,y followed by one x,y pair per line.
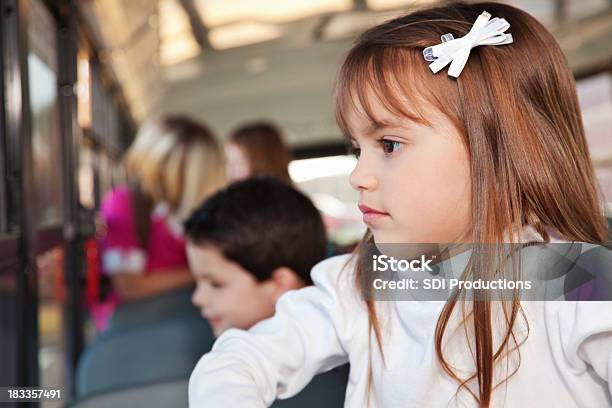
x,y
285,279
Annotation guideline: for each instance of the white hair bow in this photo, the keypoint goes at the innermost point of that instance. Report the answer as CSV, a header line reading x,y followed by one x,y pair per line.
x,y
457,50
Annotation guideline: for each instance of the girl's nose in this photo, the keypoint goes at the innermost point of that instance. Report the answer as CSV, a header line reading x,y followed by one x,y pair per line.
x,y
362,178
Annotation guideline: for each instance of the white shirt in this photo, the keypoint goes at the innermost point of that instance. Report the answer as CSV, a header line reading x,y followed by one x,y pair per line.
x,y
566,360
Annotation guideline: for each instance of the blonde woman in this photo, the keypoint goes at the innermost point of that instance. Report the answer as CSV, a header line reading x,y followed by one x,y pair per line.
x,y
174,163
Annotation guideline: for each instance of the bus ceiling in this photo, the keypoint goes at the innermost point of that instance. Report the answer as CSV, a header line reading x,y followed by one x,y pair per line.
x,y
227,62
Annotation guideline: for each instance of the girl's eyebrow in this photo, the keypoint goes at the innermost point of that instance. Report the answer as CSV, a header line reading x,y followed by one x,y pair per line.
x,y
378,124
375,125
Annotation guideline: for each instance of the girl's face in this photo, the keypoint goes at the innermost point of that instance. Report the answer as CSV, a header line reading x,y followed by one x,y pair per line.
x,y
413,180
238,165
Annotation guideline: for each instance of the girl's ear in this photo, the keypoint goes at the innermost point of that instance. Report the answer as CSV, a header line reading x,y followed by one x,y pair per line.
x,y
285,279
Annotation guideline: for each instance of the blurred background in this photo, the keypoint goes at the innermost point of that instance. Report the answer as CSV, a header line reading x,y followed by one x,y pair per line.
x,y
79,77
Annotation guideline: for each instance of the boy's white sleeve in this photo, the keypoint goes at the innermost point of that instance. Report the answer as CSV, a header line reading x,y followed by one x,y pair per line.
x,y
588,336
278,356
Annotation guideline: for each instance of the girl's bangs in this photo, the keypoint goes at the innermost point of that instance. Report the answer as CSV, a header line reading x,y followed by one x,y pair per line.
x,y
398,78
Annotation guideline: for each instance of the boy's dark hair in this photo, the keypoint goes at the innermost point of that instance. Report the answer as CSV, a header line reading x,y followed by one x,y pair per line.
x,y
262,224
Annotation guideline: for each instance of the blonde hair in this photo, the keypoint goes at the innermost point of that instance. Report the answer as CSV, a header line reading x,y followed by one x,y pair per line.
x,y
177,161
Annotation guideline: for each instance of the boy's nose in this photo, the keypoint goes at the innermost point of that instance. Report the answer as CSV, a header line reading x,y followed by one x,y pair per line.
x,y
198,298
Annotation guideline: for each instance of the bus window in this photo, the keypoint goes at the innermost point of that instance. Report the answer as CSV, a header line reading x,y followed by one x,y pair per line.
x,y
47,157
595,95
325,180
44,106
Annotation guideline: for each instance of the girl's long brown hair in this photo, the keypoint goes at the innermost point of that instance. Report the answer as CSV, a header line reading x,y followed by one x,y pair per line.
x,y
517,110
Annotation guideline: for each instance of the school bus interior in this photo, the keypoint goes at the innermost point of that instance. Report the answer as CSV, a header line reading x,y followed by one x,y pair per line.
x,y
78,79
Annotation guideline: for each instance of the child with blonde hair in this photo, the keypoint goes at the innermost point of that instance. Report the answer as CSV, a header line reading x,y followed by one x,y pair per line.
x,y
174,163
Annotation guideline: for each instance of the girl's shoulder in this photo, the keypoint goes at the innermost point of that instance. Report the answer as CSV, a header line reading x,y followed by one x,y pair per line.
x,y
580,327
328,271
336,278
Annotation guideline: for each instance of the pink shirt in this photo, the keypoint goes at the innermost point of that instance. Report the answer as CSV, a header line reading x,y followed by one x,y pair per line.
x,y
120,248
121,252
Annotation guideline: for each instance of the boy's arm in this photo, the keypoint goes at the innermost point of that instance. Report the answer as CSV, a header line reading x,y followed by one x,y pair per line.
x,y
279,356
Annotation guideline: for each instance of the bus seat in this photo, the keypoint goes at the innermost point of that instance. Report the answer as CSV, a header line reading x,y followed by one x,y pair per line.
x,y
326,390
167,349
163,394
171,305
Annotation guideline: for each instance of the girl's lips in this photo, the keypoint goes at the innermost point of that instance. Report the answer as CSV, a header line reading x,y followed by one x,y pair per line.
x,y
371,215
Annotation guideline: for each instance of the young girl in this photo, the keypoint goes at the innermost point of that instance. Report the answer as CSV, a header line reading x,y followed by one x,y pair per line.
x,y
491,152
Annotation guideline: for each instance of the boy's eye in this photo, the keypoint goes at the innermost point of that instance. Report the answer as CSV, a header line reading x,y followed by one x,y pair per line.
x,y
216,285
389,146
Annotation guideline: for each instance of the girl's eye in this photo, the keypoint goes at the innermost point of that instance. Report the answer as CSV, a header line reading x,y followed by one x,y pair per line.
x,y
351,146
390,146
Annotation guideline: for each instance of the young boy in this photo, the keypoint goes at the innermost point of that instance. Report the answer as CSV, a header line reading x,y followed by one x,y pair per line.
x,y
247,245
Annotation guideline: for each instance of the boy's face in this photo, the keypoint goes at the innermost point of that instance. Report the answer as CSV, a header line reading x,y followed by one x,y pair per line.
x,y
227,295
